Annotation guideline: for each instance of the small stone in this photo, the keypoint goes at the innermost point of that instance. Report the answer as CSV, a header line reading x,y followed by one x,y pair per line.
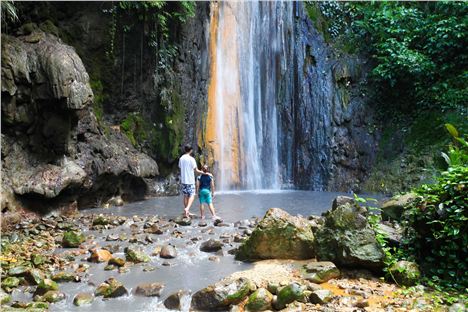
x,y
168,252
117,261
173,302
4,297
156,251
183,221
50,296
288,294
154,229
321,272
361,304
202,223
37,259
112,237
10,282
111,288
63,277
260,300
214,258
83,299
109,267
72,239
405,273
99,255
18,270
45,285
149,289
457,307
101,220
321,296
136,256
211,245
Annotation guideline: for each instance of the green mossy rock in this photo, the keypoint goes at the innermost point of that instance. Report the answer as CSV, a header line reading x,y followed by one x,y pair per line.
x,y
63,277
111,288
10,282
136,256
260,300
289,294
4,297
83,299
50,296
405,273
117,262
18,270
221,295
348,240
279,236
72,239
101,220
45,285
37,259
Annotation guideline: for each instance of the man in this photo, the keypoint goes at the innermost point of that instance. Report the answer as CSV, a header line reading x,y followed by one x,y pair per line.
x,y
188,165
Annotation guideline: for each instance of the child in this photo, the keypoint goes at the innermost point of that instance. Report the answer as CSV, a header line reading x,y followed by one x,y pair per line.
x,y
205,190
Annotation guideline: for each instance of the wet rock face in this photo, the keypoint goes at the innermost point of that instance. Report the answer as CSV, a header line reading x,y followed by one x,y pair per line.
x,y
149,289
279,236
347,239
173,302
52,143
324,120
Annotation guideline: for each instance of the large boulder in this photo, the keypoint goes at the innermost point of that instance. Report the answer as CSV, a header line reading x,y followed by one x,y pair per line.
x,y
279,236
222,294
347,239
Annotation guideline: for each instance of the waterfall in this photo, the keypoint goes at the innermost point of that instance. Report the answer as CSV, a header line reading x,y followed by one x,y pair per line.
x,y
247,52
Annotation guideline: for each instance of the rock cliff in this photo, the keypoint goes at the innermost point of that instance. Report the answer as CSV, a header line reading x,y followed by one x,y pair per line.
x,y
54,151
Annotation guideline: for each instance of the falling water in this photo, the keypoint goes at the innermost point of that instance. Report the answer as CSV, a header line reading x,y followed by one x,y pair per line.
x,y
246,46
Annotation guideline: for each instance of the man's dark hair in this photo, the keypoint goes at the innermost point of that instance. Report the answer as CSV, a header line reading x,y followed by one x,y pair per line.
x,y
188,148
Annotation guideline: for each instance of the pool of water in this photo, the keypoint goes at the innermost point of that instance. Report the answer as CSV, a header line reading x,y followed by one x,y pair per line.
x,y
234,205
192,269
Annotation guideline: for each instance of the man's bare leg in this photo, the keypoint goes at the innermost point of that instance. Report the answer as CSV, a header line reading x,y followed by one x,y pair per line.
x,y
189,204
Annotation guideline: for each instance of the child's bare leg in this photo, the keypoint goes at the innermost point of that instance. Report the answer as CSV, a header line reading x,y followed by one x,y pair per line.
x,y
212,210
202,211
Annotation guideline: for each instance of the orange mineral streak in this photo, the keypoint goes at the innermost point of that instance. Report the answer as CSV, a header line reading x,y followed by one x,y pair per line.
x,y
211,124
224,97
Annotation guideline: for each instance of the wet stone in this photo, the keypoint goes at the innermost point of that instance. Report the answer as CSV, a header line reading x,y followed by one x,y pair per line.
x,y
173,302
63,277
135,255
117,262
149,289
83,299
211,245
72,239
109,267
99,255
111,288
168,252
183,221
45,285
50,296
321,296
154,229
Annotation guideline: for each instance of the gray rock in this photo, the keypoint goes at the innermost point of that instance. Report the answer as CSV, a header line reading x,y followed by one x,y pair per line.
x,y
149,289
279,236
342,200
135,255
